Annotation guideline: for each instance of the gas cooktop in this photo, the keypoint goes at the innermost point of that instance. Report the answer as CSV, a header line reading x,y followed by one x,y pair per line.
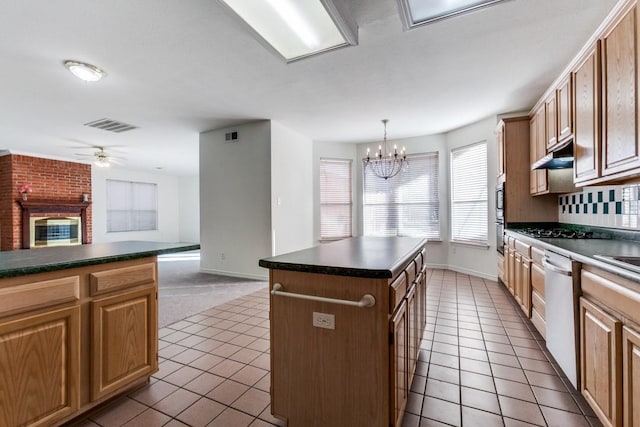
x,y
562,233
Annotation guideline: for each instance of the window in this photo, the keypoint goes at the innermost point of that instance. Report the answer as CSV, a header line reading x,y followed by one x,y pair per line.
x,y
131,206
405,205
335,199
469,206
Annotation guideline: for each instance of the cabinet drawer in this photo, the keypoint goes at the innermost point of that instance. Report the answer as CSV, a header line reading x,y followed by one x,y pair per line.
x,y
39,294
537,255
410,271
617,295
523,248
537,279
418,262
538,303
397,291
539,323
120,278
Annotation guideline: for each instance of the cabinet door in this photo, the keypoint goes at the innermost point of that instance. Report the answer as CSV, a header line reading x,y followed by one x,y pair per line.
x,y
43,385
412,333
517,283
541,149
512,269
600,367
565,118
631,377
124,341
533,153
525,286
620,126
501,150
586,139
398,368
551,120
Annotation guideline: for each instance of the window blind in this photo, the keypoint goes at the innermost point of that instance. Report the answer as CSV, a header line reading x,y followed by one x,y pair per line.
x,y
405,205
469,205
335,199
131,206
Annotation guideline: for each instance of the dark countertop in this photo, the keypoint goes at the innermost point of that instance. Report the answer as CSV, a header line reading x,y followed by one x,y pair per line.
x,y
41,260
583,250
369,257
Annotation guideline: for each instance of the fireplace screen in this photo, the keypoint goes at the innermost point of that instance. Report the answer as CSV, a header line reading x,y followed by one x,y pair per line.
x,y
55,231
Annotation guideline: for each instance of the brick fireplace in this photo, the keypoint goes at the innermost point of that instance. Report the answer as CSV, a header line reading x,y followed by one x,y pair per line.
x,y
56,184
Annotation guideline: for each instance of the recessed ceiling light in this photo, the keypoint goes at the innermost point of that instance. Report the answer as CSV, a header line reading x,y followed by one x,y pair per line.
x,y
296,29
84,71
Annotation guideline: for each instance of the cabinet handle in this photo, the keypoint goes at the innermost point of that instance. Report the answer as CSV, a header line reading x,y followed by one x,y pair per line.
x,y
367,300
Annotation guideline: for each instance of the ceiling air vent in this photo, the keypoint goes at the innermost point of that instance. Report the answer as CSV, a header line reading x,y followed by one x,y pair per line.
x,y
110,125
231,136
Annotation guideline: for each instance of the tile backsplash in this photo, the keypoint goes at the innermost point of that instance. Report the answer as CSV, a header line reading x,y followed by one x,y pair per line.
x,y
604,206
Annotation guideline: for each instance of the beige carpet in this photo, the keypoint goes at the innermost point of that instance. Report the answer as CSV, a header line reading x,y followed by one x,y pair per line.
x,y
185,291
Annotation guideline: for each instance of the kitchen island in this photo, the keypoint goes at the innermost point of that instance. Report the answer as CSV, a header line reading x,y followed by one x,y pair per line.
x,y
346,323
78,326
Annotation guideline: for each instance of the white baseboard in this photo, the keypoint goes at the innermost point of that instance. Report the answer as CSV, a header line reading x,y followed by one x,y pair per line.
x,y
232,274
480,274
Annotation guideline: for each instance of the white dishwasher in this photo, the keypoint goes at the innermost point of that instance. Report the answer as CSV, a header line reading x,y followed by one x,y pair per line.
x,y
561,296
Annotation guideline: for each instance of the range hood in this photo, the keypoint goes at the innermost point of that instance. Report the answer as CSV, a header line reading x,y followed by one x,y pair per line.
x,y
560,158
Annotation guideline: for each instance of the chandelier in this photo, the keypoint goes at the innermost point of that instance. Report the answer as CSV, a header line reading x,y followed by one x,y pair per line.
x,y
389,166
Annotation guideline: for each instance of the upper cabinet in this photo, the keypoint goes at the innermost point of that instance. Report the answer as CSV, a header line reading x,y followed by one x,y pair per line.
x,y
586,141
596,102
564,116
620,95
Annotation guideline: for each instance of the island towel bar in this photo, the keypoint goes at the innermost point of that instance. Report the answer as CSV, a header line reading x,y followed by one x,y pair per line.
x,y
367,300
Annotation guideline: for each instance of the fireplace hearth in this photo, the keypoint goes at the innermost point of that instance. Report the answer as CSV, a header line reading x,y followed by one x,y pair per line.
x,y
50,223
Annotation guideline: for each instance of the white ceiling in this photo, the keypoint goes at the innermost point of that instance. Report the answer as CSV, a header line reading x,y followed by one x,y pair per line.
x,y
176,68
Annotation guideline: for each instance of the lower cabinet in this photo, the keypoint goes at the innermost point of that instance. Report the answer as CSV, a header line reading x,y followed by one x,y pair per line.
x,y
600,364
398,359
631,376
42,384
537,291
124,343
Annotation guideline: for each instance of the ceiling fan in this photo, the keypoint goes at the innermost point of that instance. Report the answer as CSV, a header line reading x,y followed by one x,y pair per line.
x,y
102,158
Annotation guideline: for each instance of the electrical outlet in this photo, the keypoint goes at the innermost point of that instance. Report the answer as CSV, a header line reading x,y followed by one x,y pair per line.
x,y
222,256
324,320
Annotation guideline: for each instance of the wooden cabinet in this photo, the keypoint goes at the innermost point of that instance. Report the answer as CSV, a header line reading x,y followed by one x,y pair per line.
x,y
501,270
369,390
586,142
631,377
600,362
500,148
620,147
551,121
537,291
610,346
522,280
40,367
564,103
398,368
124,344
72,339
538,183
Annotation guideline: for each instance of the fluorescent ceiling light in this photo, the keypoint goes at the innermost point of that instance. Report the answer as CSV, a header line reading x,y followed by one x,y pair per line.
x,y
419,12
84,71
297,28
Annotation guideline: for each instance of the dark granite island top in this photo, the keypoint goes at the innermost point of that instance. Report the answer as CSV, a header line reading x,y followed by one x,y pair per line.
x,y
369,257
30,261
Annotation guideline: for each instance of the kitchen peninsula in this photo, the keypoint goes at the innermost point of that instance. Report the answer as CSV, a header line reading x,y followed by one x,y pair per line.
x,y
78,326
346,323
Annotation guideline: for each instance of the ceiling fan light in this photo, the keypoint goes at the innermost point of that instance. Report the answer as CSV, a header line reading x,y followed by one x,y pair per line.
x,y
102,163
84,71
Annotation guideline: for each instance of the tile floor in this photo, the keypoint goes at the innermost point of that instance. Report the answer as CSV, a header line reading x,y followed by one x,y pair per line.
x,y
481,364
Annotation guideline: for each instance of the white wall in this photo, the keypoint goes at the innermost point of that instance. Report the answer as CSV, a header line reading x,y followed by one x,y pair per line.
x,y
235,200
168,210
476,260
189,203
291,190
335,151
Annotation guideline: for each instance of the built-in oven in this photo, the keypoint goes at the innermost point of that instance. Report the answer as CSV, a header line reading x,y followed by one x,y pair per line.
x,y
500,217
